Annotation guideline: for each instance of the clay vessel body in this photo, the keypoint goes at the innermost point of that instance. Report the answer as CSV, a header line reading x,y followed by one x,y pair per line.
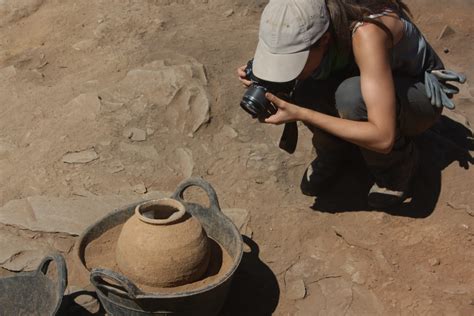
x,y
162,246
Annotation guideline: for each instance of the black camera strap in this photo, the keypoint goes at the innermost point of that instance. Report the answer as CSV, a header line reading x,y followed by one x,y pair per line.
x,y
289,137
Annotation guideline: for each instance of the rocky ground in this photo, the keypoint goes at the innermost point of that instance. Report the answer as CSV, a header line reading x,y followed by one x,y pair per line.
x,y
104,103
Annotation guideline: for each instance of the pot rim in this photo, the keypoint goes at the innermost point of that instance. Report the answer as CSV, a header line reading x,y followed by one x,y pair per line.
x,y
140,209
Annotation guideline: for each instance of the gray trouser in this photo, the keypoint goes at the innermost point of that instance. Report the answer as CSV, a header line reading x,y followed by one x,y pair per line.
x,y
341,96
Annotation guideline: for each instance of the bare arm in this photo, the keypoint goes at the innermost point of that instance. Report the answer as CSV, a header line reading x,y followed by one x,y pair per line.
x,y
370,45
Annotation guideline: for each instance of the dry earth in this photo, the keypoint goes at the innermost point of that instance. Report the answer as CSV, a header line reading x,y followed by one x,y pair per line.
x,y
103,101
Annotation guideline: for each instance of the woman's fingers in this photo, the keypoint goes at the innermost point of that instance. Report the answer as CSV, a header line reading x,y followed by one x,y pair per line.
x,y
279,103
243,76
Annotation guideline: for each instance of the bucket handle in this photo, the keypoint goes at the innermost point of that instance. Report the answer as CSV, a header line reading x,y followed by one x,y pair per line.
x,y
62,273
203,184
98,275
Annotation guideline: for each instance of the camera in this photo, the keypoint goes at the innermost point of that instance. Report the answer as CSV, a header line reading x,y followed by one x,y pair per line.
x,y
254,101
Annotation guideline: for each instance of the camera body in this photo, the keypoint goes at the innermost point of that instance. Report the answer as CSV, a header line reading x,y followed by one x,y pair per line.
x,y
254,101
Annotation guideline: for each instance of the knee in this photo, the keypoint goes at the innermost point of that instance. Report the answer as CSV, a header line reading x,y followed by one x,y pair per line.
x,y
349,101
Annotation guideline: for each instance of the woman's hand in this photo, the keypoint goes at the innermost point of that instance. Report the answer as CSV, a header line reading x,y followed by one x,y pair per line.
x,y
242,76
286,112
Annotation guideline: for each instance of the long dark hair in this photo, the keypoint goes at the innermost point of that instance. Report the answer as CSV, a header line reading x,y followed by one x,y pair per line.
x,y
345,13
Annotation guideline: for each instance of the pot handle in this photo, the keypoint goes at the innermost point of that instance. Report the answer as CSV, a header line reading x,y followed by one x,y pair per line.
x,y
62,273
203,184
97,279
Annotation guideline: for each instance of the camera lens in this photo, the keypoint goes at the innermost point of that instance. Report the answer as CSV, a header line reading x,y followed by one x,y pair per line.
x,y
255,102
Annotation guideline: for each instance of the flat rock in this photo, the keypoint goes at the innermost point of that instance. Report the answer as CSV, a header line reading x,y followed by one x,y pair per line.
x,y
240,217
67,215
147,152
135,134
21,253
139,188
228,132
184,163
84,107
176,89
81,157
115,167
14,10
7,72
85,44
295,290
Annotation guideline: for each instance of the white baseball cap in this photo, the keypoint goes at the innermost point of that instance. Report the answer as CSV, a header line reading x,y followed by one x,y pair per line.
x,y
288,29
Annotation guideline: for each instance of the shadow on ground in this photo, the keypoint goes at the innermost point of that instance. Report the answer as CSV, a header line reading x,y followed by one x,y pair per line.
x,y
254,290
446,142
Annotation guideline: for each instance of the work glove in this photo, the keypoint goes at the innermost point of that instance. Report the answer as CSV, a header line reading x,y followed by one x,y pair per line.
x,y
437,88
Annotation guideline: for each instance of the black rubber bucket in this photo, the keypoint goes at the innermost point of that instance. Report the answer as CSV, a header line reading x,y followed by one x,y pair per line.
x,y
120,296
34,293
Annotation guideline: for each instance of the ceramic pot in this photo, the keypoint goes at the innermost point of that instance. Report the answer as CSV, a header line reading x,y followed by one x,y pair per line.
x,y
162,245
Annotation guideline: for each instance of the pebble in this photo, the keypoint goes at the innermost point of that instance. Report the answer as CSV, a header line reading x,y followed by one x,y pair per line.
x,y
81,157
434,262
150,131
228,13
139,188
446,50
135,134
445,32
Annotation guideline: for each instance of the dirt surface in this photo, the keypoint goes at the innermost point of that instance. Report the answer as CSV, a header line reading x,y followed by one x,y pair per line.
x,y
110,97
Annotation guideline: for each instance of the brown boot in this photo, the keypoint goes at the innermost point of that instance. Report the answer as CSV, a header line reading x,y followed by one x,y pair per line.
x,y
319,175
393,174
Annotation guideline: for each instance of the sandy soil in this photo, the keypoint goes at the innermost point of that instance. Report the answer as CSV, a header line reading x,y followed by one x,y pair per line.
x,y
73,76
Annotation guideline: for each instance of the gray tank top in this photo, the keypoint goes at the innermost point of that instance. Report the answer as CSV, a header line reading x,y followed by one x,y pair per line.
x,y
412,55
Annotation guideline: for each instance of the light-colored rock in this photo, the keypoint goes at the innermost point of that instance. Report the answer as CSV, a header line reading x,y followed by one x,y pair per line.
x,y
229,132
14,10
147,152
154,195
81,157
20,253
85,107
139,188
333,296
240,217
84,44
135,134
115,167
150,131
176,89
358,278
228,13
109,106
295,290
445,32
184,163
50,214
7,72
63,244
434,262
